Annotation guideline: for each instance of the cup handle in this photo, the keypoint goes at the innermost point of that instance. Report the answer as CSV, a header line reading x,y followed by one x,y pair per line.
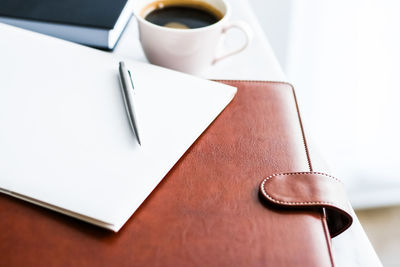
x,y
248,34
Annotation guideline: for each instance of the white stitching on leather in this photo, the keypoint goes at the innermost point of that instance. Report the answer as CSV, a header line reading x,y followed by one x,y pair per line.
x,y
295,203
254,81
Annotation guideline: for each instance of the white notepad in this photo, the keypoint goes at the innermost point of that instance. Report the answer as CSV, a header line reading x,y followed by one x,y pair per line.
x,y
65,139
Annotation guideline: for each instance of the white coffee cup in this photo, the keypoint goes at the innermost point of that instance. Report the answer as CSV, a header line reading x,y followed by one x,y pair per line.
x,y
187,50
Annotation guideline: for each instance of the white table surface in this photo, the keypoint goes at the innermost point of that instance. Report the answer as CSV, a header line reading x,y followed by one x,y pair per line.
x,y
258,62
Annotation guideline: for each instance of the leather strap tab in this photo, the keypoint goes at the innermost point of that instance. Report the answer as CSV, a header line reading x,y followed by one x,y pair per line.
x,y
310,190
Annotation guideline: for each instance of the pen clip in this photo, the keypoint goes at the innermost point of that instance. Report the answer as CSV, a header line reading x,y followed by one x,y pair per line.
x,y
130,78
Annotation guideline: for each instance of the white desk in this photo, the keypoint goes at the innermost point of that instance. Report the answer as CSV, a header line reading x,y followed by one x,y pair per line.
x,y
258,62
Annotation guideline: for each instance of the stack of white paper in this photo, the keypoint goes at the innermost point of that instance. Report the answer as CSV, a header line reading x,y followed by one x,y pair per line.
x,y
65,139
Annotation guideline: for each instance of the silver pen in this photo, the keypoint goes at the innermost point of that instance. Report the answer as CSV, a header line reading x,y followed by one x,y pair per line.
x,y
128,93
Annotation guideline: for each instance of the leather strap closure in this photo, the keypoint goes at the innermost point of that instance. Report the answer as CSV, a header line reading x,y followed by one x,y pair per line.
x,y
310,190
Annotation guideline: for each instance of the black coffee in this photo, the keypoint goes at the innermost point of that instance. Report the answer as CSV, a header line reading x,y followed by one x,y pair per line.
x,y
182,17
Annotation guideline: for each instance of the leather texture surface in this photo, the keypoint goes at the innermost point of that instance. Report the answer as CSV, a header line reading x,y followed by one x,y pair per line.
x,y
206,212
310,190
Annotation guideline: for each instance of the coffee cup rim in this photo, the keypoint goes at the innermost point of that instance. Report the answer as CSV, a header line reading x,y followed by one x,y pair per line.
x,y
188,31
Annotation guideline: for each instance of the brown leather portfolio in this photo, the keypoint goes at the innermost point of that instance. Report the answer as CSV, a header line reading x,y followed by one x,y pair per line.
x,y
244,194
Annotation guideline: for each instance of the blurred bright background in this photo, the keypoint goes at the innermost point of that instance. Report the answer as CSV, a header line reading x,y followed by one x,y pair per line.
x,y
343,59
